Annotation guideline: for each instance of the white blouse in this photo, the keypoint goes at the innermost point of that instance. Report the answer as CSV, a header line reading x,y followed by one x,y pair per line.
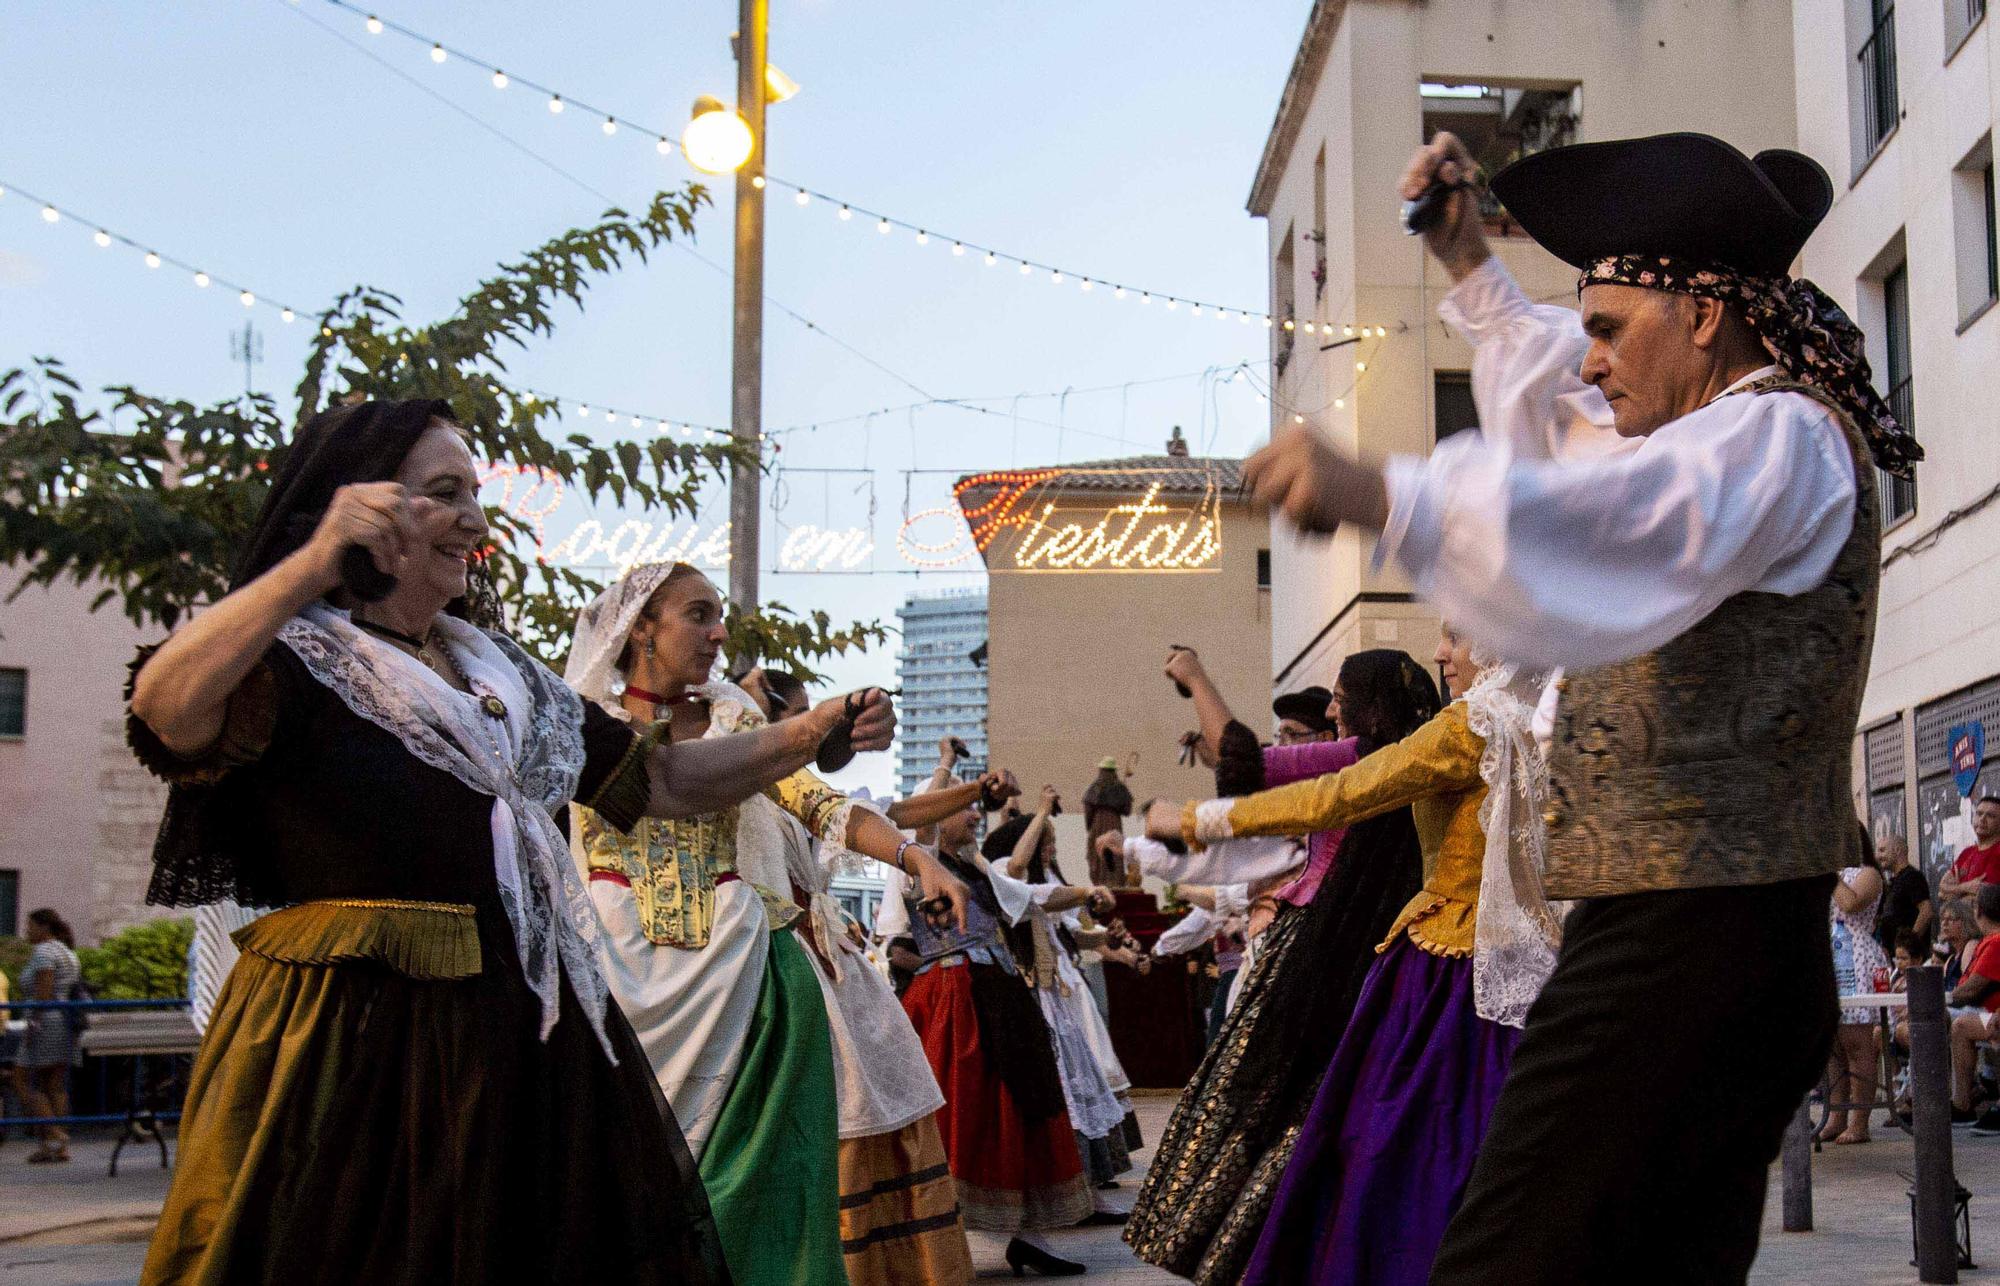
x,y
1553,545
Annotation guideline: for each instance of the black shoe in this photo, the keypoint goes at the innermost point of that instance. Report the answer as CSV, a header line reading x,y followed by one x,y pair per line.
x,y
1960,1117
1104,1219
1021,1256
1989,1124
1108,1185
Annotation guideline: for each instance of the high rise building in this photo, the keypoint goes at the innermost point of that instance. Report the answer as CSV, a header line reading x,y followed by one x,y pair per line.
x,y
1358,350
944,687
1898,102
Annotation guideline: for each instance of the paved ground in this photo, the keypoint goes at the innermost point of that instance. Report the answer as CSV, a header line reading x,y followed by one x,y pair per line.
x,y
74,1226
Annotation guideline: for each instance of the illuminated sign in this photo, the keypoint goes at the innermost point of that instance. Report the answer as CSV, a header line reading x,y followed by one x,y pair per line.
x,y
1029,520
1043,520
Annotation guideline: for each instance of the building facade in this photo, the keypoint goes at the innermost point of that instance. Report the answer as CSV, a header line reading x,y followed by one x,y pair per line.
x,y
943,681
1377,371
77,812
1093,571
1898,102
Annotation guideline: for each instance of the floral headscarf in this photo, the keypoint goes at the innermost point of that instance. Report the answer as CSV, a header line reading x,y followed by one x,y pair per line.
x,y
1805,332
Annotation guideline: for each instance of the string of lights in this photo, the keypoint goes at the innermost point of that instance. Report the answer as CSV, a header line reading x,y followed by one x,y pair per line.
x,y
105,238
564,404
611,124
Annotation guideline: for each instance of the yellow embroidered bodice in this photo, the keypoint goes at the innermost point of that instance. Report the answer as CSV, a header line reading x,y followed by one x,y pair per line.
x,y
1435,772
672,865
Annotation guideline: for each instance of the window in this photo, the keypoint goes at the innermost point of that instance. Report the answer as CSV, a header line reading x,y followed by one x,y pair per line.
x,y
1960,17
10,904
1318,234
1500,124
1451,403
13,703
1284,299
1263,569
1898,495
1873,81
1974,233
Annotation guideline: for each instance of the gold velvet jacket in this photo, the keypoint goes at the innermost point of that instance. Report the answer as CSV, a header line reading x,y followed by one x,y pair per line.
x,y
1435,773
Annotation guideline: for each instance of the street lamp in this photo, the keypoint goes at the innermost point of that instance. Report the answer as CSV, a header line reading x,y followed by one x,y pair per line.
x,y
719,140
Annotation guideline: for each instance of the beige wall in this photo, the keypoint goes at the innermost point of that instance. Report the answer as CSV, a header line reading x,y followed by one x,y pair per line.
x,y
1646,66
1074,670
77,813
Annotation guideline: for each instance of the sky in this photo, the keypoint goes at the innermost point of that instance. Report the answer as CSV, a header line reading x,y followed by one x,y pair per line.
x,y
258,140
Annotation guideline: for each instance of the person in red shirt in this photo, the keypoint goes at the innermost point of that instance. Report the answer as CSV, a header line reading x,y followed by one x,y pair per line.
x,y
1979,862
1969,1030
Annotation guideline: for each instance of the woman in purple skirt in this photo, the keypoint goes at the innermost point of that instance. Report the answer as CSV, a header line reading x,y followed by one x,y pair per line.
x,y
1385,1155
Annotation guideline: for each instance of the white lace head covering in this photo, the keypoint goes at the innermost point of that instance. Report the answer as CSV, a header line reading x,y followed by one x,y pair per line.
x,y
1518,931
605,625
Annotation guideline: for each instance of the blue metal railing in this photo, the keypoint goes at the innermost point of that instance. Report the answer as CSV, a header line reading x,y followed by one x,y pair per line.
x,y
13,1008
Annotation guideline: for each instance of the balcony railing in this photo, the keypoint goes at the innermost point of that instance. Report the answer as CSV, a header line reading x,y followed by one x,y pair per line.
x,y
1898,496
1878,81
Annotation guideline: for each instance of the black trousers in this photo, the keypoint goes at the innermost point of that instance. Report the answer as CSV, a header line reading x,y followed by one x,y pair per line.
x,y
1650,1092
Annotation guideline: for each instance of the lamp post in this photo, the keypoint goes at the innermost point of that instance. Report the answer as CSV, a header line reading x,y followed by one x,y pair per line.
x,y
717,140
746,390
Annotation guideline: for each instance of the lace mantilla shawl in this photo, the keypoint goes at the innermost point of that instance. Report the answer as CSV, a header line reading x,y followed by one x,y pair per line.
x,y
528,763
602,628
1518,931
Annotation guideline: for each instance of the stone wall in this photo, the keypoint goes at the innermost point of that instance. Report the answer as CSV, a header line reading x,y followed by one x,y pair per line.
x,y
130,801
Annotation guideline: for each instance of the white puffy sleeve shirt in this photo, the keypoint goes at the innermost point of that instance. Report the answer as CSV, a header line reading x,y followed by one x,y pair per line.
x,y
1552,545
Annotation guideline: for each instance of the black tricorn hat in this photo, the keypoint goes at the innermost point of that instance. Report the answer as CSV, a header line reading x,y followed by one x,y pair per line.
x,y
1689,196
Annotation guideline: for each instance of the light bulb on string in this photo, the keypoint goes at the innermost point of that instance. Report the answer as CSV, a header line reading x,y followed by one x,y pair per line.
x,y
1289,323
555,104
1223,314
757,181
437,53
1172,303
800,197
958,247
1308,328
1340,404
287,316
1361,366
1298,419
1026,267
102,238
923,238
201,279
1381,332
846,213
50,214
1055,276
1118,293
609,127
664,147
247,299
1086,283
1267,322
583,411
1238,376
991,259
152,260
374,25
1197,310
499,79
882,226
1145,296
1347,331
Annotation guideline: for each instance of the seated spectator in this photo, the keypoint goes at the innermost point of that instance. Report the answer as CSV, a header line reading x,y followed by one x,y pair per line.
x,y
1906,902
1959,929
1910,952
1977,997
1978,862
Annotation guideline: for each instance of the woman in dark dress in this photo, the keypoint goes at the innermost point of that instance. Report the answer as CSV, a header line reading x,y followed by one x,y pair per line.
x,y
413,1073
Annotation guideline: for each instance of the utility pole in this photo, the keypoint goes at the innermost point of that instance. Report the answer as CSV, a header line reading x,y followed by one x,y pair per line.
x,y
746,396
247,348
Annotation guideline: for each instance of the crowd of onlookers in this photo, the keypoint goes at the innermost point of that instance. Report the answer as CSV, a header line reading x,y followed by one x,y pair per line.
x,y
1886,920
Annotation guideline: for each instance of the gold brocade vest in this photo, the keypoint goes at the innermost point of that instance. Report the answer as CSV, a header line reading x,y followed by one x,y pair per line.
x,y
673,865
1723,757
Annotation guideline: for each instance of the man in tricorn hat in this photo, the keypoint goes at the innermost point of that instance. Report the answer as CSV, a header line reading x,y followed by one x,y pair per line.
x,y
1711,592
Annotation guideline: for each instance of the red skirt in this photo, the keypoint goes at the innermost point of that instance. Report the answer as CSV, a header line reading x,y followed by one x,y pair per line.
x,y
1011,1175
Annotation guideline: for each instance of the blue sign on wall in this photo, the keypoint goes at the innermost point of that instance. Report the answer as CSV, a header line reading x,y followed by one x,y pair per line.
x,y
1967,743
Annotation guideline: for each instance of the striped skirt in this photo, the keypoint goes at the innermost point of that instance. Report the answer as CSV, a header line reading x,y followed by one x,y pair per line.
x,y
899,1223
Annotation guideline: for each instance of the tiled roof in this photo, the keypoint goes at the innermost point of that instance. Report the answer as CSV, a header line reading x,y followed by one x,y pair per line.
x,y
1175,474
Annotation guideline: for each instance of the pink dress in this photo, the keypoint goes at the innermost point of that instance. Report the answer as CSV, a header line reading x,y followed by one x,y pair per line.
x,y
1286,764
